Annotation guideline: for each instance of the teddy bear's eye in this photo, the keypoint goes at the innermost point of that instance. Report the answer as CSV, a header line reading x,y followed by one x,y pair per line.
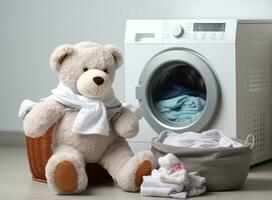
x,y
85,69
105,70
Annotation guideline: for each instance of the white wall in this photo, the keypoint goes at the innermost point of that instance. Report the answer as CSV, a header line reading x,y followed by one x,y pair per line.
x,y
31,29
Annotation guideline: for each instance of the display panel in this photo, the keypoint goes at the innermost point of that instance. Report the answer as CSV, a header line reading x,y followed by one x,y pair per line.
x,y
209,27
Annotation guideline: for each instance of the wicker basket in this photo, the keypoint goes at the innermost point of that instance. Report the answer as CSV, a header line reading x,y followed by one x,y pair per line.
x,y
39,151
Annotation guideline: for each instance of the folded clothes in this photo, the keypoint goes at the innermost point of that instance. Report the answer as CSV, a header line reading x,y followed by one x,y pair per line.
x,y
175,90
154,180
207,139
183,108
172,180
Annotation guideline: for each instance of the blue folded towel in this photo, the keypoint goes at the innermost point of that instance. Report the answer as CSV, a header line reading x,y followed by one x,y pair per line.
x,y
184,108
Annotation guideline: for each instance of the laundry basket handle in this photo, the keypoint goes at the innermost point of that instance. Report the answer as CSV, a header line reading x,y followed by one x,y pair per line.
x,y
250,139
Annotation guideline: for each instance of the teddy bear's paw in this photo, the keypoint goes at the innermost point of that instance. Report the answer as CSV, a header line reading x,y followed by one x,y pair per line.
x,y
132,130
66,174
130,176
33,130
127,126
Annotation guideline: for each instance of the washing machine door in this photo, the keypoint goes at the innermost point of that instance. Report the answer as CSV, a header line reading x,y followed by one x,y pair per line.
x,y
178,90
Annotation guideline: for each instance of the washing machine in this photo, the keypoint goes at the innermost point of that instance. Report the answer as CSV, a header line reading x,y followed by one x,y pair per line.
x,y
221,68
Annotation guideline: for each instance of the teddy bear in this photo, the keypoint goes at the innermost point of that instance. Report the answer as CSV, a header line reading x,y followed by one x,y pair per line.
x,y
91,125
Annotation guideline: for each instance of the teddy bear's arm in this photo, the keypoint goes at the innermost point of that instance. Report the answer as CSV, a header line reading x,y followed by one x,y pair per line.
x,y
42,117
127,125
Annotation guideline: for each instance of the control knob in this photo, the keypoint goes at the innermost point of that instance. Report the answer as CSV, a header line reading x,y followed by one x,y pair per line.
x,y
177,31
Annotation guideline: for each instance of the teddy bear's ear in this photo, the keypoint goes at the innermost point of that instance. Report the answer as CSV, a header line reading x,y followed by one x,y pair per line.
x,y
59,54
116,53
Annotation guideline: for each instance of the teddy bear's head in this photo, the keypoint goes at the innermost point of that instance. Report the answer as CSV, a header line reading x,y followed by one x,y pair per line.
x,y
87,68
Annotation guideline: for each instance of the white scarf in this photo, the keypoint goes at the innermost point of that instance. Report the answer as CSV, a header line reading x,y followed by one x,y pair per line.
x,y
92,116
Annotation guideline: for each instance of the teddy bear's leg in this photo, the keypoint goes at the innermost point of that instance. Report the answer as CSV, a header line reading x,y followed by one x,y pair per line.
x,y
65,171
125,168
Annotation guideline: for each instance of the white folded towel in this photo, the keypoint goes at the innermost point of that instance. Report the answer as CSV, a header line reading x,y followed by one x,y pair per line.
x,y
154,181
172,180
207,139
163,192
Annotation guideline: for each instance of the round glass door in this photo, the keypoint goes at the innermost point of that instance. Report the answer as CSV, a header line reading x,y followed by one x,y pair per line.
x,y
178,91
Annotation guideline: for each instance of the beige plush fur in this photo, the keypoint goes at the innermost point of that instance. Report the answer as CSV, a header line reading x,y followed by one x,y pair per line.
x,y
74,64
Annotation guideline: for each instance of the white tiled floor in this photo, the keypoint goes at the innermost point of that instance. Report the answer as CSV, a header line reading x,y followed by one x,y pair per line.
x,y
16,183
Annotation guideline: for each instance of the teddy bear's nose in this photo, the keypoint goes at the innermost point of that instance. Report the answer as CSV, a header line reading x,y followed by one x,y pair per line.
x,y
98,80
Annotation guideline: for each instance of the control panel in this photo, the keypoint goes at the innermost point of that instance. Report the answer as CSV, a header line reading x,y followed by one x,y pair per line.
x,y
202,31
175,31
198,31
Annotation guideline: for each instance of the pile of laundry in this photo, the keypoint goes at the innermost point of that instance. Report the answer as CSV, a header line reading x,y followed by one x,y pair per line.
x,y
208,139
179,104
172,180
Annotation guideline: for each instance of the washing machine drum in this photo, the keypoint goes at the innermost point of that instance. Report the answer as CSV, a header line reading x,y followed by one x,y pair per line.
x,y
178,91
